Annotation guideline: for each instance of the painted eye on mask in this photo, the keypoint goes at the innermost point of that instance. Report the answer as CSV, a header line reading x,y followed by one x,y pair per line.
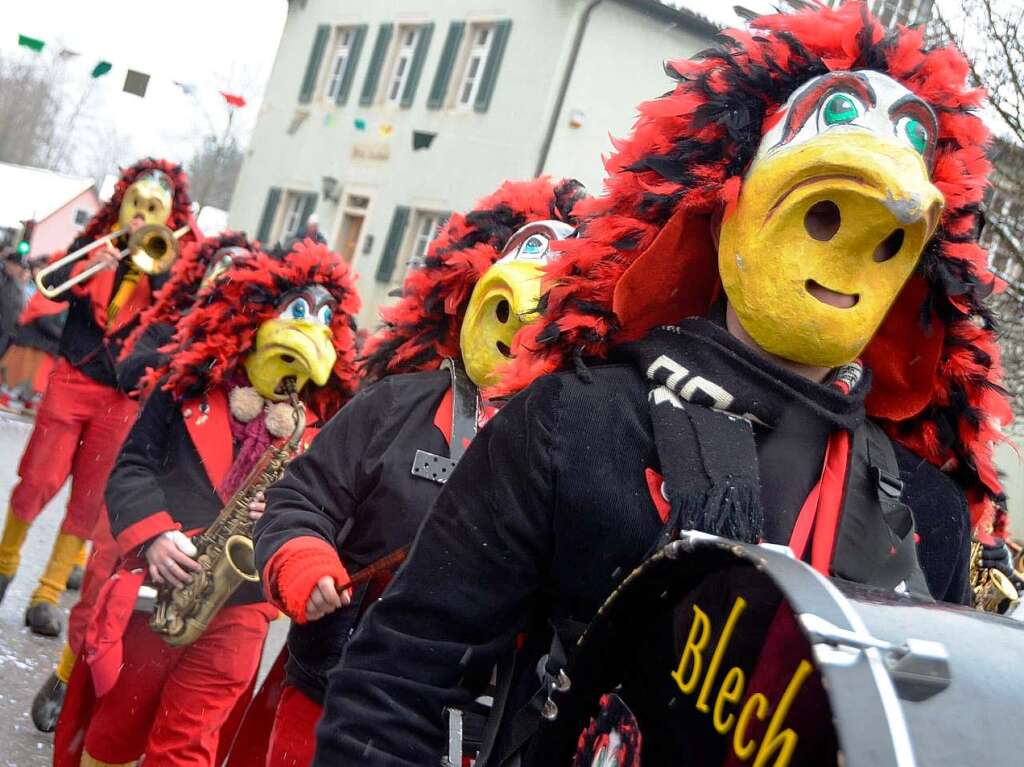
x,y
912,130
296,310
325,315
839,108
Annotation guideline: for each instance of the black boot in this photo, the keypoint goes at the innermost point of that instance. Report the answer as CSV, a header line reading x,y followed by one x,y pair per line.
x,y
75,579
5,581
47,704
44,619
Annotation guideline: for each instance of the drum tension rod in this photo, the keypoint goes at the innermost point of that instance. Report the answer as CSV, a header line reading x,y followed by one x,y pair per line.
x,y
919,667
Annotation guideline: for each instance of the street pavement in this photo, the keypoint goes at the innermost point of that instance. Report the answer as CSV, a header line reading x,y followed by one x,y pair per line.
x,y
25,659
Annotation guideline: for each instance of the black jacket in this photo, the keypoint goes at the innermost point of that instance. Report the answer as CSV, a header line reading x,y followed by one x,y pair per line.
x,y
162,479
354,489
144,355
42,333
84,343
546,513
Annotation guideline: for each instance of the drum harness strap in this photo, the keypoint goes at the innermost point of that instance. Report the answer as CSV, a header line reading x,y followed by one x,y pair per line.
x,y
465,416
883,469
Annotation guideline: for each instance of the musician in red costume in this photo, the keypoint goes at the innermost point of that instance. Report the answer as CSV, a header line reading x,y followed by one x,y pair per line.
x,y
784,277
478,284
218,404
84,417
199,264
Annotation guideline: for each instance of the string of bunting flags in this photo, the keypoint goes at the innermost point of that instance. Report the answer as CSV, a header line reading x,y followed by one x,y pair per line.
x,y
136,82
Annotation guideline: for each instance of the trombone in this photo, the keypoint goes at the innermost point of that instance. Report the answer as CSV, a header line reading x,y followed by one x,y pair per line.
x,y
152,250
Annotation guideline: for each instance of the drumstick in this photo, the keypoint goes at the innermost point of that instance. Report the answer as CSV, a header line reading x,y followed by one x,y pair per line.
x,y
368,573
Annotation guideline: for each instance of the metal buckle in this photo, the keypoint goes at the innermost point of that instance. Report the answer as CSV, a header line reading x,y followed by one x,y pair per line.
x,y
436,468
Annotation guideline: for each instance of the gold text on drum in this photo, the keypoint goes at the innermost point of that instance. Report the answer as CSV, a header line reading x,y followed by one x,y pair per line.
x,y
697,674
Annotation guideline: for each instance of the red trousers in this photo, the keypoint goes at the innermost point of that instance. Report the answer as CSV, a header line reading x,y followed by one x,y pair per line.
x,y
79,429
102,560
293,740
170,703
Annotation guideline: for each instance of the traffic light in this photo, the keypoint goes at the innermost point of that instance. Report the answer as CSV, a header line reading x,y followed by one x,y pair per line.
x,y
25,242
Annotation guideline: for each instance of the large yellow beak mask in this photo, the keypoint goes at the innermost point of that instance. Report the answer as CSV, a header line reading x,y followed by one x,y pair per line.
x,y
506,299
150,197
297,344
833,216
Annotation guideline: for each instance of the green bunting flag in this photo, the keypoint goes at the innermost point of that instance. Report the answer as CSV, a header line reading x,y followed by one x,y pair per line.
x,y
31,43
101,68
359,123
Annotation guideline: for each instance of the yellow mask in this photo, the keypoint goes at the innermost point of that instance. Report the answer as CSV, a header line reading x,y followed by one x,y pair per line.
x,y
505,300
296,344
833,216
151,197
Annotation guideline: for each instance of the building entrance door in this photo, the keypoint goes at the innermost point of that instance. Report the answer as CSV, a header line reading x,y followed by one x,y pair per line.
x,y
351,226
353,215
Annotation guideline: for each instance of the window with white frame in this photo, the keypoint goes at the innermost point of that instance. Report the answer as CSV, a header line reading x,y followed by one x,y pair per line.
x,y
293,205
340,61
425,228
407,39
481,37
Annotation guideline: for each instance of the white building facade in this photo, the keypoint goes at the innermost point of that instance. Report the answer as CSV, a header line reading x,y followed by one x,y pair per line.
x,y
382,117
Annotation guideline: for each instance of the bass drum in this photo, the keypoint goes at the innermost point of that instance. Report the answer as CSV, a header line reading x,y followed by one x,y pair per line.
x,y
717,653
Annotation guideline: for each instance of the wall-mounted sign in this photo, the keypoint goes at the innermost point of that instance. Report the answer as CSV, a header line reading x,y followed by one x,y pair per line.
x,y
371,151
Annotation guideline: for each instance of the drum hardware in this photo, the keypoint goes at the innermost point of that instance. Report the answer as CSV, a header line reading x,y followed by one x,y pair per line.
x,y
919,667
556,683
454,756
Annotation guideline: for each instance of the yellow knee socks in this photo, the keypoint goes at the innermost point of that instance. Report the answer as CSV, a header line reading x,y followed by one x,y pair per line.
x,y
15,532
89,761
55,578
66,664
83,555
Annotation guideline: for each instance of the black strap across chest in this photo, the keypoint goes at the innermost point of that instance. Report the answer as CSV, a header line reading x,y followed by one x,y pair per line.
x,y
465,410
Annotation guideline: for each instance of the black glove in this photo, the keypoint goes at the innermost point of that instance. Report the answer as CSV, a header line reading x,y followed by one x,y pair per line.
x,y
997,556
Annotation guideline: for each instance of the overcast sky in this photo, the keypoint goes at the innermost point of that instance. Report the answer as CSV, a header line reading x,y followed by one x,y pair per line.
x,y
214,44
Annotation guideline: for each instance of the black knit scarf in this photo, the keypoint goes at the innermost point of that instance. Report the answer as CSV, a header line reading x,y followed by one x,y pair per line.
x,y
708,393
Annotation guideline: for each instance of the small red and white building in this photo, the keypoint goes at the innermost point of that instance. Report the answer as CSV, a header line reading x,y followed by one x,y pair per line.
x,y
59,204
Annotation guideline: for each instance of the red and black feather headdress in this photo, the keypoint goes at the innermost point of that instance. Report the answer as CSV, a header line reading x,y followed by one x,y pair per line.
x,y
215,336
935,360
179,292
422,328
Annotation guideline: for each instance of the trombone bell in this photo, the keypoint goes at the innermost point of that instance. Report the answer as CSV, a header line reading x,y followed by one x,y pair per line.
x,y
154,247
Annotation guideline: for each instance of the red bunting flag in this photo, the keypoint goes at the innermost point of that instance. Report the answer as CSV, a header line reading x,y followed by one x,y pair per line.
x,y
233,100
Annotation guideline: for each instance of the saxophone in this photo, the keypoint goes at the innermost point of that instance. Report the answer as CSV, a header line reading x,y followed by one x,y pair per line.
x,y
224,549
993,591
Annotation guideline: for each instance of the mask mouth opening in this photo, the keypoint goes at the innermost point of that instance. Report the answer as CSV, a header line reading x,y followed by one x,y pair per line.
x,y
285,383
503,348
831,297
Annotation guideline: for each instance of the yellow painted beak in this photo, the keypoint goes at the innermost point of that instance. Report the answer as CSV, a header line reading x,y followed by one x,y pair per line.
x,y
823,238
503,301
297,349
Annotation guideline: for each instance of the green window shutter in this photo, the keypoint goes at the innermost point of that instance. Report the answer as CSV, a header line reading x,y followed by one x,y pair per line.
x,y
308,208
393,243
269,214
416,67
439,88
359,36
316,56
490,76
380,50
